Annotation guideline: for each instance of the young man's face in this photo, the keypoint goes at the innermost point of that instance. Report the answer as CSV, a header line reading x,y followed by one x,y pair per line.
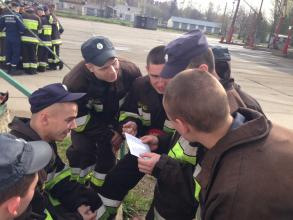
x,y
108,72
25,201
158,83
61,121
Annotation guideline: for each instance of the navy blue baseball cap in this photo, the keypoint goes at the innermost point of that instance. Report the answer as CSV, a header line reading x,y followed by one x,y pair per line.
x,y
180,51
19,158
51,94
98,50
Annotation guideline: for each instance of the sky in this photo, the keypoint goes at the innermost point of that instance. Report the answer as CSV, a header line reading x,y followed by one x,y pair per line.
x,y
203,5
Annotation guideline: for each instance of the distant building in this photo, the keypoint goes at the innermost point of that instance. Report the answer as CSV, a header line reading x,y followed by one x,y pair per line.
x,y
123,12
187,24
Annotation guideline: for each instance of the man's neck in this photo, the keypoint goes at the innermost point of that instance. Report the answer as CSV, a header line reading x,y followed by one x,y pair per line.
x,y
209,140
37,129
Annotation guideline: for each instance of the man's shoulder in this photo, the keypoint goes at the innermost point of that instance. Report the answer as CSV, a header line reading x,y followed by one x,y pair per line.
x,y
129,68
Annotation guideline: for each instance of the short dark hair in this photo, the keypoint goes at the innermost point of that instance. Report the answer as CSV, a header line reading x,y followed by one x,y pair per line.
x,y
19,188
204,58
156,55
198,98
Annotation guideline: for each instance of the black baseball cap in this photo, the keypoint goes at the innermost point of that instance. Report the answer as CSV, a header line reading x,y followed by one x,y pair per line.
x,y
180,51
19,158
51,94
98,50
221,54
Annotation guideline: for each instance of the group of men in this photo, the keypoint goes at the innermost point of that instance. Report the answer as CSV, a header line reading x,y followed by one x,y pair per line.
x,y
214,153
29,38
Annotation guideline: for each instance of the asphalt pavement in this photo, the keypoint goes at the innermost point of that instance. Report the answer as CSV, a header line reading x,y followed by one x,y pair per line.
x,y
266,77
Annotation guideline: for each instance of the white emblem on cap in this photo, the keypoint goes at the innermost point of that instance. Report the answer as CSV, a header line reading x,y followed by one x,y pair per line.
x,y
65,87
166,58
100,46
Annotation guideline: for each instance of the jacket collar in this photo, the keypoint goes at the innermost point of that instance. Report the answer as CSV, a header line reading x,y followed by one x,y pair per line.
x,y
254,128
22,125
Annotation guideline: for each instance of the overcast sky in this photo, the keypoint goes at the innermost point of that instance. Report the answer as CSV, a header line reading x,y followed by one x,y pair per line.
x,y
203,4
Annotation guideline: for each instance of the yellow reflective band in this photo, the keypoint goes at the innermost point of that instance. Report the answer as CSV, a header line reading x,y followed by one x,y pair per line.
x,y
51,19
26,65
58,41
31,24
29,39
54,202
178,153
2,34
2,58
81,122
98,179
197,190
62,175
48,215
124,115
33,65
43,64
45,43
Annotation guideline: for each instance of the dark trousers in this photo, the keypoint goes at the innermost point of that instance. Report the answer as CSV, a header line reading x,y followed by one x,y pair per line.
x,y
2,50
52,59
91,157
29,57
12,51
42,58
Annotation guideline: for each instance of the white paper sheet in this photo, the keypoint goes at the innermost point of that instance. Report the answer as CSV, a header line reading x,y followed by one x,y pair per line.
x,y
135,145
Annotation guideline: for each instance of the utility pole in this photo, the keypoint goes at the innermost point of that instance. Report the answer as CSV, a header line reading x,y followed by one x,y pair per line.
x,y
288,40
223,28
231,31
253,34
282,13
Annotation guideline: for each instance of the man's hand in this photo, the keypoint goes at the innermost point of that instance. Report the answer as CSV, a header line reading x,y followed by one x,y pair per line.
x,y
150,140
130,128
147,162
86,212
116,141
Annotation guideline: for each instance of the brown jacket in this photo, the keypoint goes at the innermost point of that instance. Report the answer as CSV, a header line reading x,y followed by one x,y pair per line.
x,y
248,174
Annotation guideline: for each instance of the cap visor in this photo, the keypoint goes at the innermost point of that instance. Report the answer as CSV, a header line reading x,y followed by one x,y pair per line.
x,y
70,97
103,58
169,71
42,154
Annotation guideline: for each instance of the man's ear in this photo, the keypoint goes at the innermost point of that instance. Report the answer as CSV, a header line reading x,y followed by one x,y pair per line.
x,y
204,67
44,118
13,205
182,126
89,66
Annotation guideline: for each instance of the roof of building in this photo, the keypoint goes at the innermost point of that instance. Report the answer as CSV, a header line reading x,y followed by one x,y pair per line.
x,y
196,22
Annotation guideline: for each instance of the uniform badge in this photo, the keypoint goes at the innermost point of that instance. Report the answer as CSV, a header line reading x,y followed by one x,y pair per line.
x,y
100,46
166,58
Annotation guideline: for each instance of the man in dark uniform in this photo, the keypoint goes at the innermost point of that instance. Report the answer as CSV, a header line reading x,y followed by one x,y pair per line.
x,y
45,37
14,27
57,30
175,170
20,162
142,114
57,197
106,80
246,172
30,41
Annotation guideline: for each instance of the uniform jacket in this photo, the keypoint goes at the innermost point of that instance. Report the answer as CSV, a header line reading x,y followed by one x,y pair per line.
x,y
33,23
102,100
12,25
46,31
145,107
174,176
248,174
69,193
57,30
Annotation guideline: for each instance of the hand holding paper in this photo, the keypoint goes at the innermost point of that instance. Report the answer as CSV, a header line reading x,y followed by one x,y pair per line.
x,y
135,145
